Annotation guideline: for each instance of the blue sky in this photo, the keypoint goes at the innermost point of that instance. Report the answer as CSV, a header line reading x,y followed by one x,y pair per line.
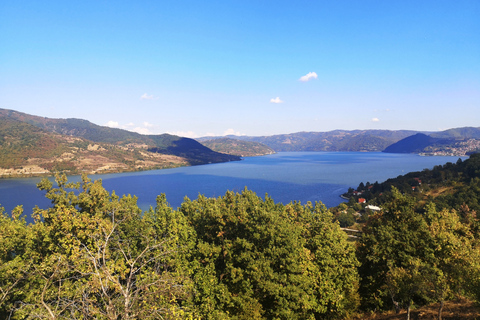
x,y
197,68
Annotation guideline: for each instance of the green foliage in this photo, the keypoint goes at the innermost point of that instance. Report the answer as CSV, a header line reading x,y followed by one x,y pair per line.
x,y
14,259
391,243
346,219
414,255
257,259
92,255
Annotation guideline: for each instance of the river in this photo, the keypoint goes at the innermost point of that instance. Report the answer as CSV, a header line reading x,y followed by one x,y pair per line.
x,y
285,177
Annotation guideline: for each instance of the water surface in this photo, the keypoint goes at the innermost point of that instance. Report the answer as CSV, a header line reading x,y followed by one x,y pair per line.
x,y
285,176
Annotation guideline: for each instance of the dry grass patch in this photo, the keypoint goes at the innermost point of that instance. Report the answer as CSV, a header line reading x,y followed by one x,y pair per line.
x,y
452,310
440,191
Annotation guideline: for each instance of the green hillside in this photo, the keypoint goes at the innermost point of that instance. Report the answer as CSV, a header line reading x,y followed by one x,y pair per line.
x,y
31,145
453,185
20,141
76,127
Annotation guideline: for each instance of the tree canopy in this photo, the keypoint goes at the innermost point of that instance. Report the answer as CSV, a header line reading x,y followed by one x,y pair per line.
x,y
93,254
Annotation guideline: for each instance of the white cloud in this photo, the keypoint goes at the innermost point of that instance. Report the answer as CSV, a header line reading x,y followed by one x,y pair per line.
x,y
131,126
193,135
145,96
276,100
375,120
141,130
186,134
309,76
112,124
231,132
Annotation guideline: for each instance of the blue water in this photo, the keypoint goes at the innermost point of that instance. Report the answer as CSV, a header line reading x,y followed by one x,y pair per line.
x,y
285,177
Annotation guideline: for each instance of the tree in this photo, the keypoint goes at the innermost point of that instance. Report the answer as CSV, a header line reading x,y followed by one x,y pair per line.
x,y
95,255
346,219
257,259
454,265
394,245
405,282
414,256
14,261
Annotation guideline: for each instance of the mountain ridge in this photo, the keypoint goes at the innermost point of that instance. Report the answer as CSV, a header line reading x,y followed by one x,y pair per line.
x,y
33,145
336,140
455,141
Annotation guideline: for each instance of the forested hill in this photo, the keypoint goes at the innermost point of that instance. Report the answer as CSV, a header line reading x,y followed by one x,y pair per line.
x,y
453,185
42,144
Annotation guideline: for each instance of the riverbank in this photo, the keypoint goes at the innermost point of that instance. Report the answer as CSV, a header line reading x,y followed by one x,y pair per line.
x,y
35,171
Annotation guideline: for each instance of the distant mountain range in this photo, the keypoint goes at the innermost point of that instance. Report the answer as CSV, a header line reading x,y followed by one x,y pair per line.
x,y
459,141
337,140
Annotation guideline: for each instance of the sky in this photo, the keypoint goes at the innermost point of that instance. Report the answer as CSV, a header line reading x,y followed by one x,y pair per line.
x,y
213,68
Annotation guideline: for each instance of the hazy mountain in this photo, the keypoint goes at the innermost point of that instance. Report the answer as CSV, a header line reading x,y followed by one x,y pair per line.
x,y
337,140
458,133
457,141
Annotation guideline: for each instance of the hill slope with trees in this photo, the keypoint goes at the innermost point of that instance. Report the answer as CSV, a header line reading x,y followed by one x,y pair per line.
x,y
420,240
451,186
31,145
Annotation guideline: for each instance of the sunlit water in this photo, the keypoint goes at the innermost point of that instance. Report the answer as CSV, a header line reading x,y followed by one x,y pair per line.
x,y
285,177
